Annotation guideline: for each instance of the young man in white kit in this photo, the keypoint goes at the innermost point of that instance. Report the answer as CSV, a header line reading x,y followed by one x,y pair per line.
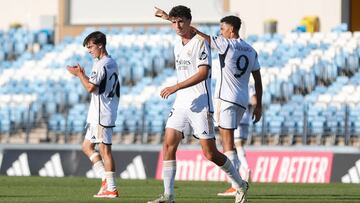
x,y
193,104
104,86
237,61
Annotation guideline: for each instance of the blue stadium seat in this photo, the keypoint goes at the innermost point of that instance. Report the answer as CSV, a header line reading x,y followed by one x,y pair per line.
x,y
57,123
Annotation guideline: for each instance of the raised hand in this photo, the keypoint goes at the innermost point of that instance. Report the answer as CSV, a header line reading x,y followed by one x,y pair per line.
x,y
161,13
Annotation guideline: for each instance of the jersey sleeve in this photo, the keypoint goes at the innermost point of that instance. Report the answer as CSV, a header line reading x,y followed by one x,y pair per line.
x,y
219,43
97,75
204,54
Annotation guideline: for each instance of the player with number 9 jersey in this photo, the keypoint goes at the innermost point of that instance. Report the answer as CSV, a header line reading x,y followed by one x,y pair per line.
x,y
237,60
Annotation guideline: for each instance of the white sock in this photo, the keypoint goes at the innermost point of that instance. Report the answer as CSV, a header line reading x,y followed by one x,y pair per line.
x,y
110,180
99,169
231,155
169,171
234,175
242,157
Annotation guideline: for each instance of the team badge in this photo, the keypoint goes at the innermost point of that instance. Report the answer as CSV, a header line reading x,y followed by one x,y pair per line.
x,y
93,75
203,56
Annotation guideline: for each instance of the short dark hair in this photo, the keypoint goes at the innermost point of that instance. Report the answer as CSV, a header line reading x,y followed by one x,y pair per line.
x,y
233,21
96,37
180,11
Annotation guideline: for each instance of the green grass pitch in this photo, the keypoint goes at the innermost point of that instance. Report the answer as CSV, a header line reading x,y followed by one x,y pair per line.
x,y
80,189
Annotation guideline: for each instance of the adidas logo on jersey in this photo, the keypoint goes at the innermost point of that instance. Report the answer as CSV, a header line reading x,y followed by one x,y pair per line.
x,y
204,133
135,170
53,167
353,175
20,167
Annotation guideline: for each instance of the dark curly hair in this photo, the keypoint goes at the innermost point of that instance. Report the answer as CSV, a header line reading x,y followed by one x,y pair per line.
x,y
233,21
180,11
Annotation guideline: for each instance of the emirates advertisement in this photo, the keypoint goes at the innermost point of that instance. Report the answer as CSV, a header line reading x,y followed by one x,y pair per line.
x,y
266,166
290,167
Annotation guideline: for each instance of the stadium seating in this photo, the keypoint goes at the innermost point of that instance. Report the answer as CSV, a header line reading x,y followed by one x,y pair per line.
x,y
16,42
310,81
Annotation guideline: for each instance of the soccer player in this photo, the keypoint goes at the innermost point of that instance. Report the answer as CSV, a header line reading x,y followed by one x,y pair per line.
x,y
237,61
193,104
104,86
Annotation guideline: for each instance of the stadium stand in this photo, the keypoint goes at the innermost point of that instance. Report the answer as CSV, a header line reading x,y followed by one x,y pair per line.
x,y
18,41
311,93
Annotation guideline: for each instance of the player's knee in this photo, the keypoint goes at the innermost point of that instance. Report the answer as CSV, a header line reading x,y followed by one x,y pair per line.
x,y
169,152
87,149
169,148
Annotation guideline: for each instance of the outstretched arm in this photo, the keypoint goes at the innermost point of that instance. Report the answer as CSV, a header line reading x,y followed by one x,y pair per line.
x,y
205,36
161,14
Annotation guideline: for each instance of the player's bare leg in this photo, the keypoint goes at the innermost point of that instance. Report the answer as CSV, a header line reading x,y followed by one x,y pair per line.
x,y
106,154
171,142
227,138
98,166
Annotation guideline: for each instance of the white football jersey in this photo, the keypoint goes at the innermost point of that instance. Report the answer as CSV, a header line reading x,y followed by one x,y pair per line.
x,y
237,60
188,58
105,100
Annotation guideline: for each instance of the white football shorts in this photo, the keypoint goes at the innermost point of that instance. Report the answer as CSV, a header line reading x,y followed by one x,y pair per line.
x,y
228,115
246,118
241,132
200,122
98,134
